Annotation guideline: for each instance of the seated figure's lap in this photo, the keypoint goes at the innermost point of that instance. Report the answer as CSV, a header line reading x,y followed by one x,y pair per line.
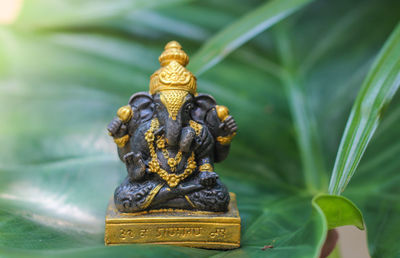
x,y
139,196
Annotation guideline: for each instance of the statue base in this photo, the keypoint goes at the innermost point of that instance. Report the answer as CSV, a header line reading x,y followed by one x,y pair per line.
x,y
202,229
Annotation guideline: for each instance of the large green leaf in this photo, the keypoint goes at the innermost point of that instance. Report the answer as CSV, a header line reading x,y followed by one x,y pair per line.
x,y
241,31
48,14
62,79
303,119
339,211
381,84
57,182
374,186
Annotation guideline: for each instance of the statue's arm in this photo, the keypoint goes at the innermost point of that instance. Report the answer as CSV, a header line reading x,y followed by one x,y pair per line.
x,y
217,119
121,129
224,130
205,159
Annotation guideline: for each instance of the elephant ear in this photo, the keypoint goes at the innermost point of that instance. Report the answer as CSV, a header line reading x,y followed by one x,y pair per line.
x,y
202,104
142,106
204,112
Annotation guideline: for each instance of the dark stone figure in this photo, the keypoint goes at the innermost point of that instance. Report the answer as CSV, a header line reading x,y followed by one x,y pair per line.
x,y
169,140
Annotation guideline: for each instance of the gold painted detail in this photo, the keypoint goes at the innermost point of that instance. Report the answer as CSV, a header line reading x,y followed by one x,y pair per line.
x,y
190,201
225,140
154,164
125,113
222,112
161,143
173,52
151,195
121,142
176,74
206,167
196,126
172,162
173,101
215,230
173,75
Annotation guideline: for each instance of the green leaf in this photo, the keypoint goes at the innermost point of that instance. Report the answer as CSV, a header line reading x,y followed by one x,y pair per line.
x,y
377,91
42,14
57,177
339,211
63,78
303,119
375,186
241,31
279,226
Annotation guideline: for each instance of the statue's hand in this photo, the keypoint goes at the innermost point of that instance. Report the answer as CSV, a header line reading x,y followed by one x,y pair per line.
x,y
114,126
117,128
208,178
135,165
228,126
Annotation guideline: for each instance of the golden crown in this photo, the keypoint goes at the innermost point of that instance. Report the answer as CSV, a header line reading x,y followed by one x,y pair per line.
x,y
173,75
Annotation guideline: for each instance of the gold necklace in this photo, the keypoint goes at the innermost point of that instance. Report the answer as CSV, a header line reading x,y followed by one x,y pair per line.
x,y
154,164
172,162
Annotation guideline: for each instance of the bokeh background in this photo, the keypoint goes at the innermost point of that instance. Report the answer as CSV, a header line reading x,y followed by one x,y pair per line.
x,y
66,66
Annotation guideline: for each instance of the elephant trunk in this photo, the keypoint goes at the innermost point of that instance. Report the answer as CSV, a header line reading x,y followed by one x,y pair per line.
x,y
172,131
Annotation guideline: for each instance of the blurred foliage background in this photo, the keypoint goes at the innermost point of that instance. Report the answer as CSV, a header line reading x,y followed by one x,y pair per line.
x,y
289,71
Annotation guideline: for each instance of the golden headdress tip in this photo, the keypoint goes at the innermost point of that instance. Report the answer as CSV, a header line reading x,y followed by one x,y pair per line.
x,y
173,74
173,52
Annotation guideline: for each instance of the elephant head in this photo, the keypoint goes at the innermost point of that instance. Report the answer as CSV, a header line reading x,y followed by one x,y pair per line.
x,y
172,109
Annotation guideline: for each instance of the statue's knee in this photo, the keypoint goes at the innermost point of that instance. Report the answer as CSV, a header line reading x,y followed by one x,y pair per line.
x,y
123,200
215,199
129,197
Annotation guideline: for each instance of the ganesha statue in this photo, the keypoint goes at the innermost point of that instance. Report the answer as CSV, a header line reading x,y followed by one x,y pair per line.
x,y
169,139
